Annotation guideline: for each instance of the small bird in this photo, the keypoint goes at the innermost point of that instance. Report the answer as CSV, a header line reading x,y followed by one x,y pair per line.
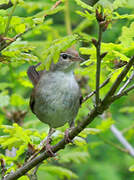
x,y
56,95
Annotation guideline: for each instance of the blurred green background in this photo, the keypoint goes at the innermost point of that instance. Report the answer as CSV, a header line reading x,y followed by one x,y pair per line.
x,y
93,156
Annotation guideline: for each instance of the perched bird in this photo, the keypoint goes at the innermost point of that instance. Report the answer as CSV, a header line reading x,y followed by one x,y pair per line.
x,y
56,96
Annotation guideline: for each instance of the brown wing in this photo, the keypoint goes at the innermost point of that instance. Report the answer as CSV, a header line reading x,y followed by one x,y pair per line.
x,y
33,74
32,101
81,99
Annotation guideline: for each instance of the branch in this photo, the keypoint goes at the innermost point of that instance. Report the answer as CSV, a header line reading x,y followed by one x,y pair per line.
x,y
113,144
119,79
122,140
93,92
6,6
13,40
54,6
113,128
123,93
127,82
5,45
10,17
98,68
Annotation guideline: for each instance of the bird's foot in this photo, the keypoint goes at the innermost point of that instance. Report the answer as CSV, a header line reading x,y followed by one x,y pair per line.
x,y
67,139
49,148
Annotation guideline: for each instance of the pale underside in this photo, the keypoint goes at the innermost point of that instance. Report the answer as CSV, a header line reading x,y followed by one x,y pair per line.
x,y
57,98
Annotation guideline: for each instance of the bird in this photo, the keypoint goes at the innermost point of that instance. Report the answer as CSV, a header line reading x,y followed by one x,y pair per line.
x,y
56,96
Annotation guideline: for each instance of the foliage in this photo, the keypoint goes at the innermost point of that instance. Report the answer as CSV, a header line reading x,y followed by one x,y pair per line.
x,y
42,35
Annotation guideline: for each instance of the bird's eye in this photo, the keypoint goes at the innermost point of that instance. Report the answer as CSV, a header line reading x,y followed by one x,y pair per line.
x,y
64,56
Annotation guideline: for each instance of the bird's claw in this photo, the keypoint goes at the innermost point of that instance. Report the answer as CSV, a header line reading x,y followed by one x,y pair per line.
x,y
49,150
67,139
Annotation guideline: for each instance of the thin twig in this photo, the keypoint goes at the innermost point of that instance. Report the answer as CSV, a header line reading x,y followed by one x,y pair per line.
x,y
113,128
127,82
98,68
93,92
28,29
122,140
13,40
54,6
113,144
10,17
123,93
127,129
119,80
120,137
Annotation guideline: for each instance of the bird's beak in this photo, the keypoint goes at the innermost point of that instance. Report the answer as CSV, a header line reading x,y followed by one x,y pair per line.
x,y
77,58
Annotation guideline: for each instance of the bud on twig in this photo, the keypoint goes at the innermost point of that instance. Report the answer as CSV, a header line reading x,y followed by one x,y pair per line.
x,y
103,55
99,16
94,41
104,25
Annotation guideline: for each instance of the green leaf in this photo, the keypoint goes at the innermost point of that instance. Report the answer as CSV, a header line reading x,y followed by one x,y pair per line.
x,y
84,5
23,178
52,53
59,171
127,35
119,3
20,28
79,141
105,124
75,156
17,100
131,168
88,131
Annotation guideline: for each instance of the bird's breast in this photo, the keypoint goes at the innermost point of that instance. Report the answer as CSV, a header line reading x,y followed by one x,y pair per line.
x,y
57,98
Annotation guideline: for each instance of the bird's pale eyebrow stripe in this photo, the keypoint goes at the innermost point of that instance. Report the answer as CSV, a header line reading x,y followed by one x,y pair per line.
x,y
69,55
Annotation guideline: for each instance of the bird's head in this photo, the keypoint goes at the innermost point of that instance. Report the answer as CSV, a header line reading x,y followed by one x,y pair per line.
x,y
68,60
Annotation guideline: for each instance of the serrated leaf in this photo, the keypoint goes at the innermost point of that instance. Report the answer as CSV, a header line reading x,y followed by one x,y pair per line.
x,y
127,35
84,5
88,131
79,141
75,156
59,171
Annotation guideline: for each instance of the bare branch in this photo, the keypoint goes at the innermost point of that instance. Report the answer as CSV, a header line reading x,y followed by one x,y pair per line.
x,y
5,45
122,140
98,47
127,82
119,79
54,6
113,128
6,6
10,17
123,93
13,40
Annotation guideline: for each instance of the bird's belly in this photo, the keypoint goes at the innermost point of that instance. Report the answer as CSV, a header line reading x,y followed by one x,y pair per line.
x,y
58,103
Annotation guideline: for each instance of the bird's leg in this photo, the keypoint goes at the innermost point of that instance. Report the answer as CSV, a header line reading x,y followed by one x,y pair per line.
x,y
47,147
48,141
67,139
